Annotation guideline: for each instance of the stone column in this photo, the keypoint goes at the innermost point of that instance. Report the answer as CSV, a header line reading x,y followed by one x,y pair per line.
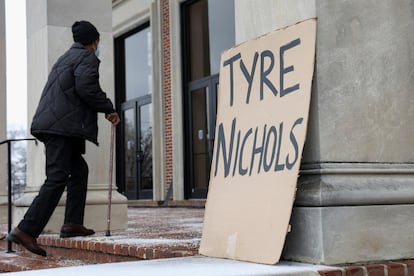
x,y
49,36
355,200
356,193
3,116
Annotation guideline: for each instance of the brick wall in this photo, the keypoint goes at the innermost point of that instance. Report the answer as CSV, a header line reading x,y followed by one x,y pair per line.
x,y
166,81
392,268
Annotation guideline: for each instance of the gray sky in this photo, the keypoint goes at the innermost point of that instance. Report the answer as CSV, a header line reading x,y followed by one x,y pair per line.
x,y
16,64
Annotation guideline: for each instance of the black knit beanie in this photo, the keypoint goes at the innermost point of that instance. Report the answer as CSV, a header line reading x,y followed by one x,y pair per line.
x,y
84,32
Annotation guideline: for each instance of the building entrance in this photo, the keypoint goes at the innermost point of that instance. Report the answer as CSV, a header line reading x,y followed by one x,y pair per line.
x,y
207,30
134,99
137,147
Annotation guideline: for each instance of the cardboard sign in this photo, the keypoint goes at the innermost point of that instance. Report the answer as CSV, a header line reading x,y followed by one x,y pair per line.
x,y
263,104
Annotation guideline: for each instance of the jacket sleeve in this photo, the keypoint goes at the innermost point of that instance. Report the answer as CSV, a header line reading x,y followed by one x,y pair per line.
x,y
87,85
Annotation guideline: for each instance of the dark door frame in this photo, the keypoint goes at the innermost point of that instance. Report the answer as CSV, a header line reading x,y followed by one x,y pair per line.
x,y
211,84
136,104
188,87
119,51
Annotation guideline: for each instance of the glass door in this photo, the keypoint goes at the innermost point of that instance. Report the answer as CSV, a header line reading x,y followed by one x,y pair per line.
x,y
137,148
129,164
207,30
202,95
144,155
134,90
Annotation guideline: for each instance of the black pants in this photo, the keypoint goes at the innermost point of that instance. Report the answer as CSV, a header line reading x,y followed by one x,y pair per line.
x,y
65,167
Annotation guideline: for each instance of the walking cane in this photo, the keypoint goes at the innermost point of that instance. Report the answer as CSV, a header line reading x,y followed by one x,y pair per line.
x,y
111,165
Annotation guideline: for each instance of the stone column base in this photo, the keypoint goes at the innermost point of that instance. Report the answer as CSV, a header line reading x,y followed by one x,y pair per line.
x,y
96,210
352,212
349,234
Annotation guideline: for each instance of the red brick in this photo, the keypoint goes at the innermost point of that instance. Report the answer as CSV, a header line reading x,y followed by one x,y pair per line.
x,y
376,270
149,253
133,251
141,253
124,250
84,254
176,254
354,271
84,245
105,258
72,243
73,254
117,249
103,247
157,254
410,267
43,241
336,272
78,245
164,254
110,248
79,254
188,254
98,246
40,240
63,243
396,269
165,33
91,246
91,255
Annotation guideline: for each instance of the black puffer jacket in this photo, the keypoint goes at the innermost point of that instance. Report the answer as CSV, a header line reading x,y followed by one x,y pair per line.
x,y
72,97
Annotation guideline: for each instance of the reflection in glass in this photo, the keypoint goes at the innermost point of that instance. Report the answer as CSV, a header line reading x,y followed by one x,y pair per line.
x,y
134,58
138,64
199,55
129,152
208,30
221,30
146,146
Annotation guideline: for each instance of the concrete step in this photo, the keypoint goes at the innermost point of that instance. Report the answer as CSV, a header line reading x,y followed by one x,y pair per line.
x,y
153,233
103,249
82,252
92,250
153,238
188,266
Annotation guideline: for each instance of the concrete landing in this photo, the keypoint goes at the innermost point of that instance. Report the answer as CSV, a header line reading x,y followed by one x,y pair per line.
x,y
198,266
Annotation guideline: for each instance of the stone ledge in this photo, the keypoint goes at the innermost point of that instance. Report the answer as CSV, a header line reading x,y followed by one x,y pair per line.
x,y
348,184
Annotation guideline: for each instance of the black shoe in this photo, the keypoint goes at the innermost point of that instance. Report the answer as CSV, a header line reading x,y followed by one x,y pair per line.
x,y
27,241
75,230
